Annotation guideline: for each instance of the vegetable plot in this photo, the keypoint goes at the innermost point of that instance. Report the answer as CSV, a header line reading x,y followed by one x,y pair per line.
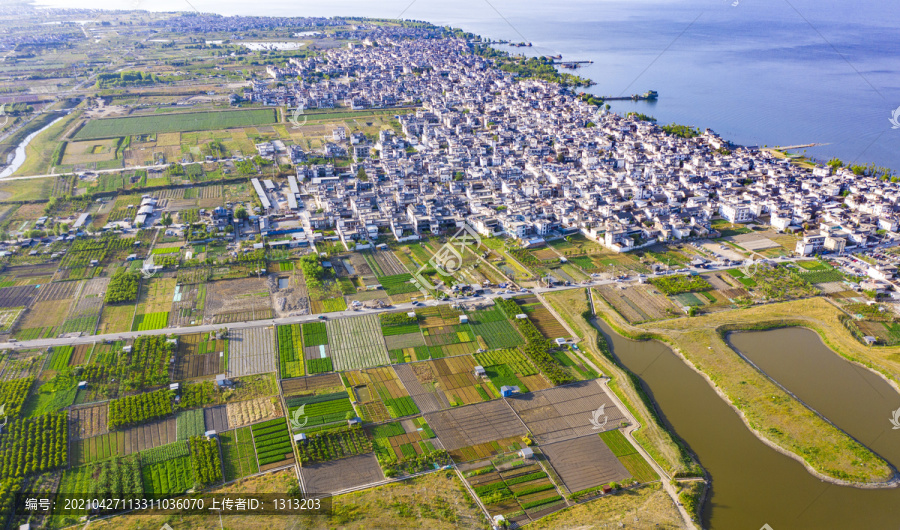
x,y
139,408
272,441
205,462
290,351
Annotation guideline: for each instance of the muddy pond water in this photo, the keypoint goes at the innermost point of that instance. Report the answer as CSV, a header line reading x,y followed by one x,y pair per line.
x,y
752,484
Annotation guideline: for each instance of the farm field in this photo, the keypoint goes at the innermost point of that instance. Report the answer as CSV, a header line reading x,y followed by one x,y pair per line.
x,y
493,329
21,296
399,445
180,122
290,351
379,394
41,315
238,454
124,442
356,342
339,475
234,300
242,413
638,303
116,319
312,383
541,317
215,418
584,463
166,470
87,422
334,444
443,383
199,355
639,469
472,425
516,489
510,368
384,263
189,423
251,351
273,444
565,412
310,413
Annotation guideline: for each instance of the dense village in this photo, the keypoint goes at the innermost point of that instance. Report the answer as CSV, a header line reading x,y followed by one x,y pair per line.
x,y
530,160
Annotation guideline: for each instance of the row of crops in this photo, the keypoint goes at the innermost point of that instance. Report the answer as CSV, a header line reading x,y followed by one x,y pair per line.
x,y
537,346
315,334
139,408
321,409
398,284
290,351
34,445
272,441
189,423
331,445
398,324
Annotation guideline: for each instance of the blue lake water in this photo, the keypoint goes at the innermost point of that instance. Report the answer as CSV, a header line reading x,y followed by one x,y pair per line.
x,y
765,72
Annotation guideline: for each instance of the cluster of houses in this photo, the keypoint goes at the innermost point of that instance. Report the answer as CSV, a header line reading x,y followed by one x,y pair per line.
x,y
530,159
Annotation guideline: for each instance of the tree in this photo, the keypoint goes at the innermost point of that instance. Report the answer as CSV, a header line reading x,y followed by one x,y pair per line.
x,y
166,220
241,213
361,174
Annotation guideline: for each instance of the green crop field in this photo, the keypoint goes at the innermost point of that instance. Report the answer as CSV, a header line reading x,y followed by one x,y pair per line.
x,y
190,121
290,351
272,440
314,334
238,455
626,453
150,321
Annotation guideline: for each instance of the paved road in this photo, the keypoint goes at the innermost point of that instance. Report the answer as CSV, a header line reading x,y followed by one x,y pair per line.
x,y
44,343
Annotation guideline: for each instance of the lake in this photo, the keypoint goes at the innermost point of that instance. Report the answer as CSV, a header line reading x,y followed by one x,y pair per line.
x,y
760,72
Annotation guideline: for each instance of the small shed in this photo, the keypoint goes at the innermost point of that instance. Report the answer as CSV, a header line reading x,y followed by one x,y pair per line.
x,y
174,387
82,385
210,434
300,437
870,339
411,314
223,382
560,341
126,349
526,453
352,422
480,371
463,319
508,390
521,316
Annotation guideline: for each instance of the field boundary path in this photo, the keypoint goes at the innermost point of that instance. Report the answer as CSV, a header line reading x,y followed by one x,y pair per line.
x,y
634,425
557,315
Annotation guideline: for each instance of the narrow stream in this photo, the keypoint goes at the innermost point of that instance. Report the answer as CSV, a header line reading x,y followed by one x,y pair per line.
x,y
20,154
752,484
